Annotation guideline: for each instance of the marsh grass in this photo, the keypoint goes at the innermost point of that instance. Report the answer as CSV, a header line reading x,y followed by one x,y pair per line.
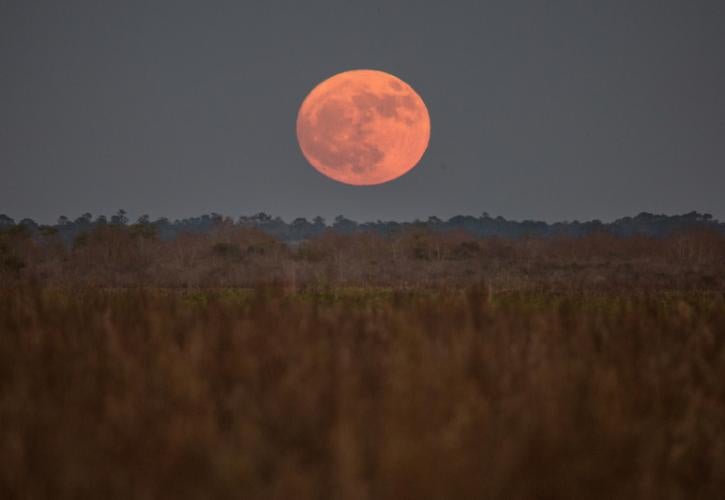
x,y
361,393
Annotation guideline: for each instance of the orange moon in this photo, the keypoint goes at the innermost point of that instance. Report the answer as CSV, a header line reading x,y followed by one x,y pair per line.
x,y
363,127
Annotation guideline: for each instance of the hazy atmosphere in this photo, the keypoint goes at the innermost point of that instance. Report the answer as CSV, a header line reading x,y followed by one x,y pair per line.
x,y
549,111
362,250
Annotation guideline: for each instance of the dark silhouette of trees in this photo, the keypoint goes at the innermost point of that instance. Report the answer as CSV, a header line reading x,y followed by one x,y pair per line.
x,y
214,249
6,221
119,219
343,225
301,229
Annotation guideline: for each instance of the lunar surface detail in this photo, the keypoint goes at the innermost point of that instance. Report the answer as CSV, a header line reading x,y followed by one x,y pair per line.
x,y
363,127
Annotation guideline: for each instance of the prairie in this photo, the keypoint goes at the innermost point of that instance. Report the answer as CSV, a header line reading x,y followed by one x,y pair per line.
x,y
357,367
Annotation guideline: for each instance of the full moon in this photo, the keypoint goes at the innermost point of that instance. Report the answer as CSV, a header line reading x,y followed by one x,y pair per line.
x,y
363,127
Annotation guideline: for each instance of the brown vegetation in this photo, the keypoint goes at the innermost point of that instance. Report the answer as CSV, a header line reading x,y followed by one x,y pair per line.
x,y
229,255
424,365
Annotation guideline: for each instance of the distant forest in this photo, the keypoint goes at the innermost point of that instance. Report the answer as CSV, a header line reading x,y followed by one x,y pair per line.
x,y
301,229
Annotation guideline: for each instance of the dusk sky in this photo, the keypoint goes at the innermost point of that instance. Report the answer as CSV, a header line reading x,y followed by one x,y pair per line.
x,y
543,110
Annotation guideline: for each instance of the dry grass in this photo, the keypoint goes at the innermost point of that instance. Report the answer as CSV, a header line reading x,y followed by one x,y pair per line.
x,y
231,256
361,393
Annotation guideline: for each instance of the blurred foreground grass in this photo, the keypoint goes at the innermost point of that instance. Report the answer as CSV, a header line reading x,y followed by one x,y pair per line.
x,y
361,393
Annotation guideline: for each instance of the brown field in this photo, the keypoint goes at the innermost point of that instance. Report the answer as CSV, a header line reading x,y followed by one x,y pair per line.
x,y
353,367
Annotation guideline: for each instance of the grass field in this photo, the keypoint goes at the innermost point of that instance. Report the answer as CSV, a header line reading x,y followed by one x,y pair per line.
x,y
353,393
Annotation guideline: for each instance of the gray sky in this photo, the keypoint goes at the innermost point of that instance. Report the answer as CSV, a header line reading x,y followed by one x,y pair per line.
x,y
548,110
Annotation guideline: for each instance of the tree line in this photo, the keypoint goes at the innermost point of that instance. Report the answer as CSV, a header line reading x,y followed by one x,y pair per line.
x,y
301,229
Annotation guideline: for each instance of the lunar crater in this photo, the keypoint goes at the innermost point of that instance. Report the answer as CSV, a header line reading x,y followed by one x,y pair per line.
x,y
355,129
